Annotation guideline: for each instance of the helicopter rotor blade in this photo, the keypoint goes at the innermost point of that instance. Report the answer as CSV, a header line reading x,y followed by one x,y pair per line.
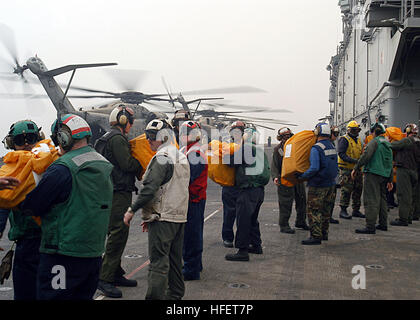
x,y
92,97
128,80
169,94
89,90
265,127
7,37
226,90
158,105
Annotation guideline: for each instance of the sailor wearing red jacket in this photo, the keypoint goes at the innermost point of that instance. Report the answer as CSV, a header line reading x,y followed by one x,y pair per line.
x,y
190,136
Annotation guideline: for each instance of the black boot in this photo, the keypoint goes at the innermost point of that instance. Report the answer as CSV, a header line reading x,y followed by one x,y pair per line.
x,y
255,249
124,282
333,221
416,219
241,255
399,223
365,231
109,290
324,236
287,229
228,244
344,214
383,228
303,226
358,214
311,241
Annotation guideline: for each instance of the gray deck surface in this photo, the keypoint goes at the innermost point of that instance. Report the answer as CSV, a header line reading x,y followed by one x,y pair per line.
x,y
288,270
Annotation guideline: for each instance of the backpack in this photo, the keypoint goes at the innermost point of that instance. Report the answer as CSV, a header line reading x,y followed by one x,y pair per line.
x,y
100,144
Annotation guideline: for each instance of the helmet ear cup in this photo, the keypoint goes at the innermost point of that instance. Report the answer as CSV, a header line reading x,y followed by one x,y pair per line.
x,y
8,142
408,129
64,139
317,131
122,119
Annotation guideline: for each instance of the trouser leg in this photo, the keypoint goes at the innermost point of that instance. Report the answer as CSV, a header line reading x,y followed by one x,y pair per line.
x,y
255,234
416,213
285,195
327,208
76,279
414,182
372,199
383,211
246,205
404,193
193,240
176,286
316,207
165,252
300,203
25,268
117,237
347,186
356,195
229,195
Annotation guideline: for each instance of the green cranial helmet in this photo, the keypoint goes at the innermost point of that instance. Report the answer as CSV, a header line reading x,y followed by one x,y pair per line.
x,y
379,127
24,127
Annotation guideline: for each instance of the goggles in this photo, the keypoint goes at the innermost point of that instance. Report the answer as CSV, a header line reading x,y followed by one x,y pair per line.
x,y
150,135
21,139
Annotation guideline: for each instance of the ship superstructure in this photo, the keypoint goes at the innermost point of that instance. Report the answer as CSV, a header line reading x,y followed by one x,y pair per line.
x,y
375,74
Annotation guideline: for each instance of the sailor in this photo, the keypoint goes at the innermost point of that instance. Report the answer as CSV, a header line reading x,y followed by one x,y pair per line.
x,y
179,117
285,193
164,200
230,194
252,173
24,135
322,184
377,163
190,136
115,147
335,133
349,152
73,200
407,161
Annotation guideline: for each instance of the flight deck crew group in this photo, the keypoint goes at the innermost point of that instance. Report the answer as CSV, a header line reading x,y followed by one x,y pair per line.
x,y
77,247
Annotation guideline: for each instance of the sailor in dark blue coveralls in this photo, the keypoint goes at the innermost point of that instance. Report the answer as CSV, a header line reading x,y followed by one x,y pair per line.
x,y
190,136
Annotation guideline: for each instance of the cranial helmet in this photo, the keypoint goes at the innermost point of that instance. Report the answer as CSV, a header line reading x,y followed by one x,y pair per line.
x,y
155,126
379,127
284,133
411,128
70,128
191,127
22,132
323,130
121,115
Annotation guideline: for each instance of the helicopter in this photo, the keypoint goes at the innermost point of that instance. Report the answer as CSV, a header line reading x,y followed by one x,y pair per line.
x,y
96,118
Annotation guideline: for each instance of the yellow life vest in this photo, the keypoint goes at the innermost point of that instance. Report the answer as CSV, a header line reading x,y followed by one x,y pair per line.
x,y
219,172
140,150
25,166
354,151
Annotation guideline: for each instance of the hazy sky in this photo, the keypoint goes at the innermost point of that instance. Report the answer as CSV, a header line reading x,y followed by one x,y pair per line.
x,y
280,46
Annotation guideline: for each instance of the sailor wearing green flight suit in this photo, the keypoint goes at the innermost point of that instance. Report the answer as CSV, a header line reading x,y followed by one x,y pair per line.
x,y
377,163
407,160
